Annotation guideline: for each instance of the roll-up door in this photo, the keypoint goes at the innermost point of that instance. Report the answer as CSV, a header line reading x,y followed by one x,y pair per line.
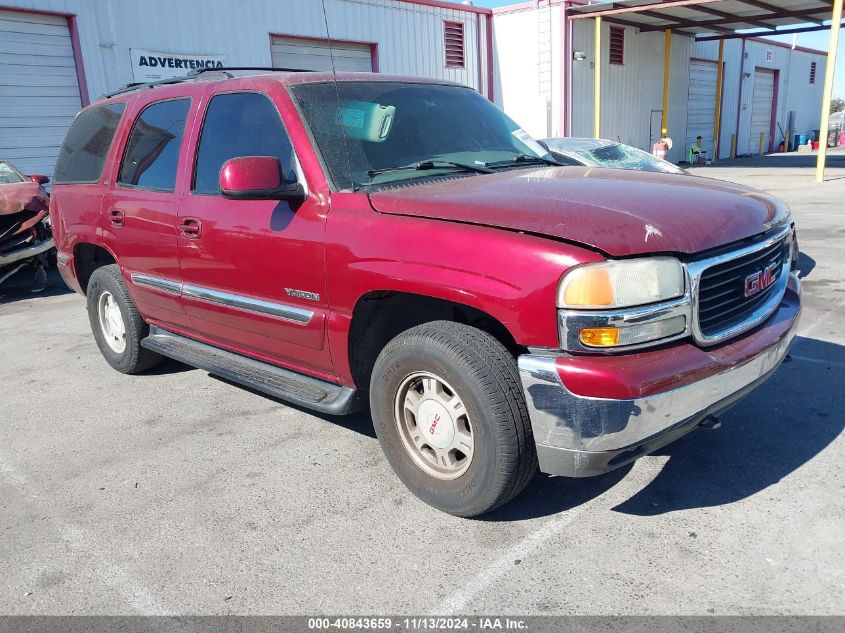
x,y
306,54
39,89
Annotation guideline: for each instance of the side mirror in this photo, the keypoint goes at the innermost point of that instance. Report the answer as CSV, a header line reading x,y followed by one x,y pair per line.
x,y
257,178
41,179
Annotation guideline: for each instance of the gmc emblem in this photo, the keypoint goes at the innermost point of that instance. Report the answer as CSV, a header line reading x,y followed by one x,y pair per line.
x,y
759,281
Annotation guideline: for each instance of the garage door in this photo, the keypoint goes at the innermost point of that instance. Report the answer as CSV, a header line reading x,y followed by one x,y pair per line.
x,y
39,89
701,104
761,110
290,52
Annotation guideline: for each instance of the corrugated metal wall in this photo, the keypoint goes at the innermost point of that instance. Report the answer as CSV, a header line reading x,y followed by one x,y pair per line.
x,y
632,94
795,92
409,36
701,104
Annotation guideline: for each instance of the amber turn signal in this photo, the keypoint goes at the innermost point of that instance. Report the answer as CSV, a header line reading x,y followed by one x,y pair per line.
x,y
600,336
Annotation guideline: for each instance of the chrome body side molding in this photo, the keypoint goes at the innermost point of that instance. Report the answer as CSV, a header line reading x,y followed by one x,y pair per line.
x,y
157,283
238,302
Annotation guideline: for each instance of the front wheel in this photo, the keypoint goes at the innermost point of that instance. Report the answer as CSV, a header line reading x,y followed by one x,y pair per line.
x,y
116,323
451,417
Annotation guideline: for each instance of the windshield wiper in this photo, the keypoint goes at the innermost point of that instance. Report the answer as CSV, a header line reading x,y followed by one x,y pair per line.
x,y
522,159
432,164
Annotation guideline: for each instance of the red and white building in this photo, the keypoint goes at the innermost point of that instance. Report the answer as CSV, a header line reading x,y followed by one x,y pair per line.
x,y
57,55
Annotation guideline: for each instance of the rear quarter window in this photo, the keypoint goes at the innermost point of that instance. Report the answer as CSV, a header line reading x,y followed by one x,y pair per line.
x,y
87,143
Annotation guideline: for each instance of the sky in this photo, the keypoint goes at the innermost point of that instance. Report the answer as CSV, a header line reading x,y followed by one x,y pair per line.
x,y
818,40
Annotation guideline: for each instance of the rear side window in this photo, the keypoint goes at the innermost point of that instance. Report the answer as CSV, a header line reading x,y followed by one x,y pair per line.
x,y
152,151
83,153
240,124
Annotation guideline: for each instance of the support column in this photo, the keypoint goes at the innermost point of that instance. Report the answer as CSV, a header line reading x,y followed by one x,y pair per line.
x,y
597,80
828,88
717,115
667,51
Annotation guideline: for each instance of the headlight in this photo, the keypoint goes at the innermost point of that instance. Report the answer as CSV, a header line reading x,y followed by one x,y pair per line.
x,y
621,283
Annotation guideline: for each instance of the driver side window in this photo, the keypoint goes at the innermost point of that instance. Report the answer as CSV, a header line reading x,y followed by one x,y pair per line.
x,y
240,124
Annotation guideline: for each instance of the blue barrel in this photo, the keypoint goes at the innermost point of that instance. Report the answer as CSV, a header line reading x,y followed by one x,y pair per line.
x,y
795,142
802,139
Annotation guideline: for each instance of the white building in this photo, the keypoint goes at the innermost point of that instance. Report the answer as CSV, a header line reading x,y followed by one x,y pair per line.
x,y
58,55
544,73
763,82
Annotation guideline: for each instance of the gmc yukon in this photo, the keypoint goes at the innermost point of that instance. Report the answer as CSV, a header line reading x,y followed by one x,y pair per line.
x,y
347,240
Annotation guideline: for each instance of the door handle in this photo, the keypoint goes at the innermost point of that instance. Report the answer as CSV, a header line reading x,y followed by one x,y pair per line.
x,y
191,228
117,217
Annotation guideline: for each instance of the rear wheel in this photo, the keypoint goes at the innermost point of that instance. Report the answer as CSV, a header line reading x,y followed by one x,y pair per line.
x,y
451,417
116,324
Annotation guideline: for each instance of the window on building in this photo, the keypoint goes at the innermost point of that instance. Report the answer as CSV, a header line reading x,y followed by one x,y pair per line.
x,y
84,150
617,45
240,124
453,34
812,72
152,151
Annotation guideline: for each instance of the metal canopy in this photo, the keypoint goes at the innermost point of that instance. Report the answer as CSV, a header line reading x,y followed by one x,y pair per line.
x,y
713,19
718,20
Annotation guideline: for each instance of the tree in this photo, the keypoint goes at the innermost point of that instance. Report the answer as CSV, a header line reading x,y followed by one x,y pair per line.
x,y
837,104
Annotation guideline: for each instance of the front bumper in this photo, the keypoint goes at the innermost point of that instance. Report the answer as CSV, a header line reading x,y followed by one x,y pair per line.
x,y
581,435
27,252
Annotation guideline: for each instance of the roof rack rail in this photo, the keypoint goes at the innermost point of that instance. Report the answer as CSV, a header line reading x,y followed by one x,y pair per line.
x,y
200,71
140,85
192,76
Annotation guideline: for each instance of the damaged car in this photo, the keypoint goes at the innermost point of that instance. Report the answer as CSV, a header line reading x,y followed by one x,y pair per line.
x,y
598,152
26,239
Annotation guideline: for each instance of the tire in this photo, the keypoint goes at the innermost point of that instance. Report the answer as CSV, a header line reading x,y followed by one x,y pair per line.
x,y
106,285
439,361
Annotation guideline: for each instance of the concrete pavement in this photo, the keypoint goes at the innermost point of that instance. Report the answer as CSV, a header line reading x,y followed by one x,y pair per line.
x,y
174,492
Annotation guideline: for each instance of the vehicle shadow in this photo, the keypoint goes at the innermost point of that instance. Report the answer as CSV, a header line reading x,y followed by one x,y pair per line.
x,y
17,287
359,422
764,438
547,495
805,264
168,366
767,436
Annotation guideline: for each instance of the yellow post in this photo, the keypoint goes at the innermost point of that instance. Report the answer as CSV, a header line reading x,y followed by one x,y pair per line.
x,y
717,114
828,87
762,141
597,81
667,50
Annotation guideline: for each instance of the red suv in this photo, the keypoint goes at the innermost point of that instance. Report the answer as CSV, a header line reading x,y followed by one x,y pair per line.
x,y
338,241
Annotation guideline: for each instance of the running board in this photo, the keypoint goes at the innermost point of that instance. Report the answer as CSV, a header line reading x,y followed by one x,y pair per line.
x,y
280,383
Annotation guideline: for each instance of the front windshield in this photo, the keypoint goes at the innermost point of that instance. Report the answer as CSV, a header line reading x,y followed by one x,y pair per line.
x,y
8,174
362,127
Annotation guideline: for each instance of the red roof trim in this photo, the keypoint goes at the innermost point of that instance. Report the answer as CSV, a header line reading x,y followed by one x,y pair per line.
x,y
803,49
449,5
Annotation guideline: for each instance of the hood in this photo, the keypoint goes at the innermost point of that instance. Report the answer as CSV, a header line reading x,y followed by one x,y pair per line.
x,y
22,196
616,211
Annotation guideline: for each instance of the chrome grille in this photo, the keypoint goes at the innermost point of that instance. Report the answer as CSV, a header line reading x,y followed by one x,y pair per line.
x,y
722,307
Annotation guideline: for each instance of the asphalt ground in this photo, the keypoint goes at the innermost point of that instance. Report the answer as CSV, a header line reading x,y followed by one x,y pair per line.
x,y
174,492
